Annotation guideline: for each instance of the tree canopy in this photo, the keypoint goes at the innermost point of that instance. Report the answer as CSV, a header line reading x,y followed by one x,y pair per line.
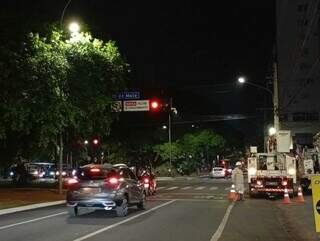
x,y
193,150
55,84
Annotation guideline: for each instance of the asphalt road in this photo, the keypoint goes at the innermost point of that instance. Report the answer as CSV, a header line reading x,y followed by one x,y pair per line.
x,y
186,210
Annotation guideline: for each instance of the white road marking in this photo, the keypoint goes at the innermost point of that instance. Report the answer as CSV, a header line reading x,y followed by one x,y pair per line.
x,y
172,188
159,188
32,220
186,188
216,236
122,222
213,188
199,188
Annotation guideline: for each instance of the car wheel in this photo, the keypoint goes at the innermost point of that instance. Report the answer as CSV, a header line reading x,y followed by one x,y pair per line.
x,y
142,204
73,211
122,210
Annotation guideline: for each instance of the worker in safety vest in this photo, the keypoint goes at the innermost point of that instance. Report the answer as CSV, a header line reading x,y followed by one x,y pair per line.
x,y
238,180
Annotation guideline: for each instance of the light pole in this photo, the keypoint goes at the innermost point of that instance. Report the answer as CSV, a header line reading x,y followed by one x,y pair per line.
x,y
274,95
63,12
171,110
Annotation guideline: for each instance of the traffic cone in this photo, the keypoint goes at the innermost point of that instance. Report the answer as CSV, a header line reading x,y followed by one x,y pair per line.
x,y
286,198
233,196
300,198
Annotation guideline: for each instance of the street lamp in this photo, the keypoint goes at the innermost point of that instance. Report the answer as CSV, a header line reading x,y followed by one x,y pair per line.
x,y
74,27
86,142
274,95
164,127
272,131
241,79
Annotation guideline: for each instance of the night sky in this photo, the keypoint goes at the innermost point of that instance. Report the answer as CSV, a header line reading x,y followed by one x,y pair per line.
x,y
191,50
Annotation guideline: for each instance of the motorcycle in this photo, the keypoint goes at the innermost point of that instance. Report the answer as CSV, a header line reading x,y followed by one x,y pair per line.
x,y
149,183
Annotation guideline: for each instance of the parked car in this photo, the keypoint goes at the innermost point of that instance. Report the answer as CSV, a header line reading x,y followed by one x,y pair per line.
x,y
219,172
104,187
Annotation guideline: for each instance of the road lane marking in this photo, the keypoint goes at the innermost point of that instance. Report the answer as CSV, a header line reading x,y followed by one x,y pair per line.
x,y
32,220
122,222
213,188
159,188
172,188
199,188
216,236
186,188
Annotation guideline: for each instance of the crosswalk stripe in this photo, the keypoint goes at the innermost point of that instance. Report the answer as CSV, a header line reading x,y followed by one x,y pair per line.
x,y
199,188
213,188
159,188
172,188
186,188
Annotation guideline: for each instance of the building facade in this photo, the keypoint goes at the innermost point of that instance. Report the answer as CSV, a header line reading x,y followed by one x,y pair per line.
x,y
298,53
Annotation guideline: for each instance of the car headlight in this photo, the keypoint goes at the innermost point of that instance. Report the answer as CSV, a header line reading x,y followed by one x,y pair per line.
x,y
51,173
35,173
11,173
292,171
57,173
64,173
252,171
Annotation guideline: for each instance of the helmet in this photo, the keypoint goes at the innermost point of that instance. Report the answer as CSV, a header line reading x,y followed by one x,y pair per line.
x,y
238,164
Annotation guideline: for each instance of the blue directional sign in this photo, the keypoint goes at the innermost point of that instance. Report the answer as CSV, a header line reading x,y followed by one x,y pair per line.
x,y
130,95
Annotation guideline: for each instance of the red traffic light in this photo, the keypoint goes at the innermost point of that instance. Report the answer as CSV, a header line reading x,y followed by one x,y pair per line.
x,y
95,141
154,105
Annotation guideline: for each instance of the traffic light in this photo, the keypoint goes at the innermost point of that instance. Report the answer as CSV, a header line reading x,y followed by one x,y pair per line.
x,y
154,105
95,141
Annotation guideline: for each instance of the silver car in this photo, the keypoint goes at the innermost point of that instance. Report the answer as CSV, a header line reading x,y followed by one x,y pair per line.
x,y
105,187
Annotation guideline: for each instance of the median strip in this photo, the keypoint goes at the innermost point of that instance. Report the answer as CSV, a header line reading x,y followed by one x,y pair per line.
x,y
30,207
32,220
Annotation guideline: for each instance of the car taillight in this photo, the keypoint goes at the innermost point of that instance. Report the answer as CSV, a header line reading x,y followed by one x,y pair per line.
x,y
284,183
113,180
72,181
146,180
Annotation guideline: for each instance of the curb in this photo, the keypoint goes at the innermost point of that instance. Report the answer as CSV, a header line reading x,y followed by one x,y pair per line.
x,y
30,207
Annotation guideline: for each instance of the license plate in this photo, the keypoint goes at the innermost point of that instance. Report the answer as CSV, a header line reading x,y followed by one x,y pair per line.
x,y
88,190
272,183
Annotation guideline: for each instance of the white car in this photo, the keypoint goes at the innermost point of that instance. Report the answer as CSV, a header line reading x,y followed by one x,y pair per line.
x,y
218,172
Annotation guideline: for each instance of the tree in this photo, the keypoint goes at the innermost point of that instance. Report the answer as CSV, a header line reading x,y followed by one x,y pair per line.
x,y
193,150
51,86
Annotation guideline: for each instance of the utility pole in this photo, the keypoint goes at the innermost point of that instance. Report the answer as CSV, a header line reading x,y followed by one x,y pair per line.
x,y
275,97
169,132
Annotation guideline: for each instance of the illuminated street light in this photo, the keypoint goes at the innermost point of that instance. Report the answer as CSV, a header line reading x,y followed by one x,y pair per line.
x,y
272,131
86,142
241,79
164,127
74,27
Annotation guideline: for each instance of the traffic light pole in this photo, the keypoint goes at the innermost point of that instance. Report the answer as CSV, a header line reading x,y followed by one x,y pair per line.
x,y
170,141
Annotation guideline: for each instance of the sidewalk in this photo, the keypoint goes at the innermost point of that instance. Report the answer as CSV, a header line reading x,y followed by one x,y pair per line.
x,y
298,218
15,197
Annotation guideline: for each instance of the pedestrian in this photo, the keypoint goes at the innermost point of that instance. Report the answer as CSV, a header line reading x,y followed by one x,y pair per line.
x,y
238,180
